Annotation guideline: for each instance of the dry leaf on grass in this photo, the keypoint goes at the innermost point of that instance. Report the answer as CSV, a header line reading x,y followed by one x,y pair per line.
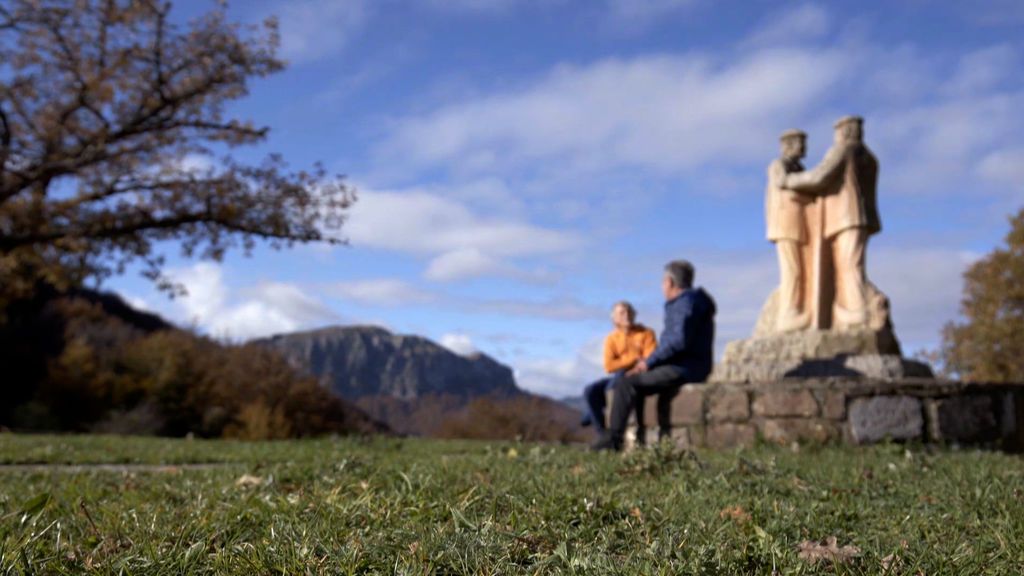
x,y
737,513
636,513
248,481
826,552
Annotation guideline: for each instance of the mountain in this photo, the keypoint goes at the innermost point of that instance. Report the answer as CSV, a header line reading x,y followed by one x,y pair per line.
x,y
359,361
417,386
575,402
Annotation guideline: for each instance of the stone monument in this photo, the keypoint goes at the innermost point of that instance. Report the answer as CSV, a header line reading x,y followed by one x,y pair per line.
x,y
825,318
824,364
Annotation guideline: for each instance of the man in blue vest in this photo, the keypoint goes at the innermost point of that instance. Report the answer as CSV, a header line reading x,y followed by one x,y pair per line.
x,y
684,354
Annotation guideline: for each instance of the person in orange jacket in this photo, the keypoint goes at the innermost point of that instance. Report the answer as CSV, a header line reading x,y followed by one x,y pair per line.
x,y
627,344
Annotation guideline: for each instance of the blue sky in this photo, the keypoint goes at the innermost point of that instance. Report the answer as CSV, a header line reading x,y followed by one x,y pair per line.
x,y
522,164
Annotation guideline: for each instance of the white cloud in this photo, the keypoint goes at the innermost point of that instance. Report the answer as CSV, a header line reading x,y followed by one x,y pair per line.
x,y
924,286
560,377
422,222
466,263
313,29
938,146
460,242
460,264
262,310
207,292
396,293
667,113
1005,167
194,164
984,70
556,308
793,26
138,303
381,292
461,344
935,118
292,302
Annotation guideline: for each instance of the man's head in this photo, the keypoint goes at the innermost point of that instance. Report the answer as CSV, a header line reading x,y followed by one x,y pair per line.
x,y
677,279
793,144
849,130
623,315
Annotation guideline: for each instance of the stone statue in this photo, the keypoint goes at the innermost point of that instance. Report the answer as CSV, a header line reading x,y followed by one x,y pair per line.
x,y
785,215
845,181
825,318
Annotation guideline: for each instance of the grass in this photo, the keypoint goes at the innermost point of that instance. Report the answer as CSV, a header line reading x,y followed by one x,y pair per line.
x,y
352,506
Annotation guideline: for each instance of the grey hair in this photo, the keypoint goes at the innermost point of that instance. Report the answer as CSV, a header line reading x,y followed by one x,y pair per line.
x,y
681,273
630,310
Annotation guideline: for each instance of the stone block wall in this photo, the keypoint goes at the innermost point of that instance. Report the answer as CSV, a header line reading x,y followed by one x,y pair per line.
x,y
725,415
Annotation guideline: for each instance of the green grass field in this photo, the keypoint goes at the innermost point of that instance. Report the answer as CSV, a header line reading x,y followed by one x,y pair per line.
x,y
430,507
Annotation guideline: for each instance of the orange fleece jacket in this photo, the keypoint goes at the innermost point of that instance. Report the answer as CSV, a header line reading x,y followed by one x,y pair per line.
x,y
623,349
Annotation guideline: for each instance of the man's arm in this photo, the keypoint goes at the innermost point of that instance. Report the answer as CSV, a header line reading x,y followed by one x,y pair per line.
x,y
673,340
814,180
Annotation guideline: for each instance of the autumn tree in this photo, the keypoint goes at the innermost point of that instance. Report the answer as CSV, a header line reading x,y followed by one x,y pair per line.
x,y
989,344
115,136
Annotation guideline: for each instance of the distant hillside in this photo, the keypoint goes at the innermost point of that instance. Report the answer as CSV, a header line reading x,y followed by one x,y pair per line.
x,y
358,361
86,361
576,402
417,386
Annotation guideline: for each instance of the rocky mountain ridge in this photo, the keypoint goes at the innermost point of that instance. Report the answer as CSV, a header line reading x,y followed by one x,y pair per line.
x,y
417,386
359,361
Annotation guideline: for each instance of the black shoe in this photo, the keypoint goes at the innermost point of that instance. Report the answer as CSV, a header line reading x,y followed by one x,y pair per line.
x,y
606,442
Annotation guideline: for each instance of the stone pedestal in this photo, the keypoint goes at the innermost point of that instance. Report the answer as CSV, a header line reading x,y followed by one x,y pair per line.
x,y
854,411
866,353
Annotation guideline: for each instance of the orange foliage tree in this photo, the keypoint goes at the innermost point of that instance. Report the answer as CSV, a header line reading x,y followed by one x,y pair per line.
x,y
989,344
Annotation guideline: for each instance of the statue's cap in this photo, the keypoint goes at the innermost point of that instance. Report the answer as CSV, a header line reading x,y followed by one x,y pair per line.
x,y
792,133
847,120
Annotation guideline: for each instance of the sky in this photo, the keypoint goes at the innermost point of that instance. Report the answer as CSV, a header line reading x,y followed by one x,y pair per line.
x,y
521,165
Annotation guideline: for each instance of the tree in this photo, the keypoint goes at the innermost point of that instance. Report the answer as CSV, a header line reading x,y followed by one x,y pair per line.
x,y
989,344
114,136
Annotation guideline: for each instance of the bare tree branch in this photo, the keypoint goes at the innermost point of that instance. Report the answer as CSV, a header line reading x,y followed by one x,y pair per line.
x,y
5,140
105,98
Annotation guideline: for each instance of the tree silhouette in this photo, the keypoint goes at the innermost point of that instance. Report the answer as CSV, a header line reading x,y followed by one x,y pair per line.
x,y
114,136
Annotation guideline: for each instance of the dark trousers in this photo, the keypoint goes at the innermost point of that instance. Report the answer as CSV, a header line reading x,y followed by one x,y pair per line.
x,y
630,392
595,397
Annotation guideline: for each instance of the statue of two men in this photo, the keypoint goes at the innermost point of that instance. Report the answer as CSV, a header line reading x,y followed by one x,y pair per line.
x,y
820,221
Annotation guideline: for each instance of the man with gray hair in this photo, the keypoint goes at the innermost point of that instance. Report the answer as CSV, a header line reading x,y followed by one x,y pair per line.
x,y
684,354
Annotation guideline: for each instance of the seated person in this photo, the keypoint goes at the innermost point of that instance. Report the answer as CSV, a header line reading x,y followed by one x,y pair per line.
x,y
624,346
684,354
